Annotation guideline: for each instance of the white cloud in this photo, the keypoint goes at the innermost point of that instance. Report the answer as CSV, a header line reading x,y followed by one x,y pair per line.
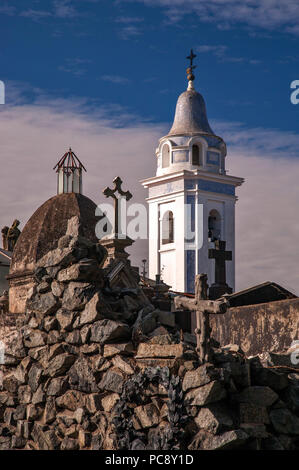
x,y
115,79
267,14
35,15
75,66
111,142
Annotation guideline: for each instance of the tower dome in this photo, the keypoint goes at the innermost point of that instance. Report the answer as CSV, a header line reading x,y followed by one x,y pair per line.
x,y
190,114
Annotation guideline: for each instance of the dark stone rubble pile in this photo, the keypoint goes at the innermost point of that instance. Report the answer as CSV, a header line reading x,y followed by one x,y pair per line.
x,y
92,367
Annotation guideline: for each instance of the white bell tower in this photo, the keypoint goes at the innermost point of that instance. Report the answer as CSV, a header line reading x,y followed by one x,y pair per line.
x,y
191,198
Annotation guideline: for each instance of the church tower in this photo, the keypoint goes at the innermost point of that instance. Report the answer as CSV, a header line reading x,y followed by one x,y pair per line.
x,y
191,198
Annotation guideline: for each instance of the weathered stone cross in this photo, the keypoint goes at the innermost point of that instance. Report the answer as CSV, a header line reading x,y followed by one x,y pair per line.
x,y
203,308
108,192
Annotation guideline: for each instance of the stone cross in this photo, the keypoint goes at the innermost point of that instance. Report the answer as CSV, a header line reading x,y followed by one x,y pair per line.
x,y
203,308
220,256
108,192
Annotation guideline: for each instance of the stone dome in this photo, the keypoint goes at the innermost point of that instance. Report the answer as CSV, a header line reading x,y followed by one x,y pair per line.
x,y
49,223
190,114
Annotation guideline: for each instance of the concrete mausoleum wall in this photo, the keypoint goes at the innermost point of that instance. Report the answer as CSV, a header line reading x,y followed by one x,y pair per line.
x,y
270,326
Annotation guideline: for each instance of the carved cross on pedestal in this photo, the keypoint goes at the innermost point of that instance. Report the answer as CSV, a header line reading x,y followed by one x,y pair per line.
x,y
203,308
108,192
221,256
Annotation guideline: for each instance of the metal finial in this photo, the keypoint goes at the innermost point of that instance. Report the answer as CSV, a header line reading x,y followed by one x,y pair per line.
x,y
190,69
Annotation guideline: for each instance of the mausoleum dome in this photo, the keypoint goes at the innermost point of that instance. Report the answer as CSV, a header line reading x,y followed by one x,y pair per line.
x,y
48,224
190,115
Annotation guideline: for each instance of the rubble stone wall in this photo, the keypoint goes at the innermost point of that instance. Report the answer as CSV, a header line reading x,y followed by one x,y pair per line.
x,y
256,328
90,367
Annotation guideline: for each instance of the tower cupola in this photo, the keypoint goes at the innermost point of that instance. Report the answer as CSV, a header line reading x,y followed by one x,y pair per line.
x,y
69,173
191,144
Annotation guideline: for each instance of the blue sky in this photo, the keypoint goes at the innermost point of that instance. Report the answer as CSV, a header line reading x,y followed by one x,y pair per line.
x,y
132,54
104,76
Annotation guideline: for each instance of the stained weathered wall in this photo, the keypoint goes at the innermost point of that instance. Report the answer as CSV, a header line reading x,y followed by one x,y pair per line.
x,y
257,328
3,282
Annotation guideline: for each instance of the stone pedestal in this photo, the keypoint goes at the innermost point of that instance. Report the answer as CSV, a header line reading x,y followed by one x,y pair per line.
x,y
116,249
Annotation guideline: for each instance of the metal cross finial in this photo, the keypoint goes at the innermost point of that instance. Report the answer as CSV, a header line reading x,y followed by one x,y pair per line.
x,y
191,57
190,69
108,192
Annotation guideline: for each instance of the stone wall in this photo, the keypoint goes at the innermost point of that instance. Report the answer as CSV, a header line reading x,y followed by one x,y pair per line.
x,y
257,328
90,367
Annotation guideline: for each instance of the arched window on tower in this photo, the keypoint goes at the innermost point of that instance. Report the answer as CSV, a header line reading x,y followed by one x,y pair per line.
x,y
197,154
165,156
214,225
167,228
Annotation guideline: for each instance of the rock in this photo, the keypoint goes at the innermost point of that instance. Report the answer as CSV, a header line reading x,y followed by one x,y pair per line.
x,y
93,310
60,364
284,421
85,334
50,411
258,395
254,430
43,287
206,394
93,402
105,331
137,444
227,441
54,337
43,304
58,257
120,348
239,372
251,413
57,386
65,319
166,318
35,377
156,350
79,415
291,397
24,394
34,338
20,413
96,442
112,380
57,288
10,383
50,323
38,397
89,349
84,439
74,337
86,269
268,377
77,294
200,376
33,412
109,401
71,400
122,365
145,416
81,376
215,418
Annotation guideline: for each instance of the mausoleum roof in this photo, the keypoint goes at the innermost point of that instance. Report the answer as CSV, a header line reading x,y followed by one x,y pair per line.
x,y
48,224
